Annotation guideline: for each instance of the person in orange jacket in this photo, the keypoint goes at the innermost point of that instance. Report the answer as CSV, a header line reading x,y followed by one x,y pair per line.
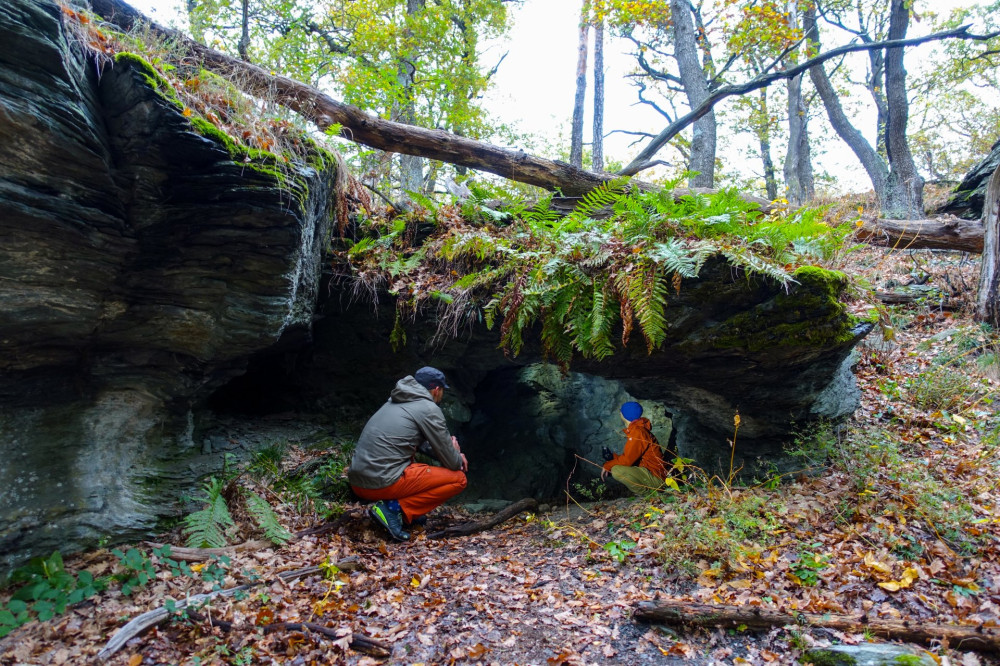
x,y
640,466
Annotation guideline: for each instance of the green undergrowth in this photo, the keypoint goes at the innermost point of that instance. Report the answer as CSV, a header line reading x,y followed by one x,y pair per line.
x,y
241,502
589,280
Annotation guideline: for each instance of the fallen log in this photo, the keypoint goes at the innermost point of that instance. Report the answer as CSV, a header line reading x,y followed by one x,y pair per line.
x,y
934,298
362,127
978,638
527,504
950,233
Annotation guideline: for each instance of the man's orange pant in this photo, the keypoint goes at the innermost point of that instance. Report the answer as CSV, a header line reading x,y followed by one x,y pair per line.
x,y
420,489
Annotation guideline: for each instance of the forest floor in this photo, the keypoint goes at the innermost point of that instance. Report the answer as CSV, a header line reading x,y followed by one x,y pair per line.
x,y
893,517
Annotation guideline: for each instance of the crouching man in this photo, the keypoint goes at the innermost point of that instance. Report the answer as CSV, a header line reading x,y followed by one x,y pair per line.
x,y
383,468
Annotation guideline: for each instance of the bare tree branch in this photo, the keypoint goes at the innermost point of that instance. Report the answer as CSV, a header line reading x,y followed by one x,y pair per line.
x,y
758,82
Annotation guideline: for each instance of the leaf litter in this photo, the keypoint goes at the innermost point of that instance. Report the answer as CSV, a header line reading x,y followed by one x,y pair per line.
x,y
900,523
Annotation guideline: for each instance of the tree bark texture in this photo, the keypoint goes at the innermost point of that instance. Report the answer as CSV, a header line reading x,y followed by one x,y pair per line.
x,y
873,165
411,167
949,234
703,136
798,167
764,139
904,197
988,298
597,155
576,132
979,638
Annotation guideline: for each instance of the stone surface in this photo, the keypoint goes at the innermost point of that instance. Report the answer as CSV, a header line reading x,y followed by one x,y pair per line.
x,y
968,198
140,266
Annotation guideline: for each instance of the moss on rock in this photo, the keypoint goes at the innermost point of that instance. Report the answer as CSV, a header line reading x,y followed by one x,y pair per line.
x,y
151,76
808,314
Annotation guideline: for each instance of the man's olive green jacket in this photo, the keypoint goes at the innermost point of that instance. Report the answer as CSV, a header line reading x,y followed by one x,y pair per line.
x,y
394,432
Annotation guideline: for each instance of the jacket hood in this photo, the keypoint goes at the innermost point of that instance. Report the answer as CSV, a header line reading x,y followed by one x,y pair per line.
x,y
641,422
409,389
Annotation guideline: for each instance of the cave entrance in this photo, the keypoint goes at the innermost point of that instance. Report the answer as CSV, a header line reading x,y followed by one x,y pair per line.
x,y
532,431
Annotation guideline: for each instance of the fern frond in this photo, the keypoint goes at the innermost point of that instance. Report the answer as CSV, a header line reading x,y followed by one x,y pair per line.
x,y
756,264
211,526
266,519
646,292
602,319
605,195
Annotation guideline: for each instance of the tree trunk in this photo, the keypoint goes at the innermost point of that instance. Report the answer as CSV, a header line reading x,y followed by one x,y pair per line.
x,y
703,137
988,298
951,234
977,637
576,132
597,156
364,128
873,165
764,139
904,197
411,167
798,145
244,44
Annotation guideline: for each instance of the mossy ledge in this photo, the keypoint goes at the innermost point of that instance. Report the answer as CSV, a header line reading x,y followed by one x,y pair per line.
x,y
151,76
808,314
280,168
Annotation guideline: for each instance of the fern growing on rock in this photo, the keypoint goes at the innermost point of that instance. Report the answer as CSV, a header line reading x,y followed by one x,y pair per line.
x,y
608,265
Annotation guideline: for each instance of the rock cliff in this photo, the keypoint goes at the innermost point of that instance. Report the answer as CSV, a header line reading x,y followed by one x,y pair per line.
x,y
141,264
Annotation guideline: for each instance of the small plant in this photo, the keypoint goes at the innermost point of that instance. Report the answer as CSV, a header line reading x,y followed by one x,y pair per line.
x,y
941,388
618,550
215,570
213,525
808,567
137,569
594,490
47,590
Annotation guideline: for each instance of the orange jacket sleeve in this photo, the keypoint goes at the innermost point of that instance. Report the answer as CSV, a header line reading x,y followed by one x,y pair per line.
x,y
634,448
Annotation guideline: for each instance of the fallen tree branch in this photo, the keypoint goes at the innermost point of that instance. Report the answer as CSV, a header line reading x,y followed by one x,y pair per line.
x,y
978,638
154,617
358,642
370,130
203,554
943,234
527,504
934,298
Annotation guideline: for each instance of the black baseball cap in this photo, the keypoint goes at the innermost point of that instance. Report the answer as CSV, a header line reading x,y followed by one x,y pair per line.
x,y
429,377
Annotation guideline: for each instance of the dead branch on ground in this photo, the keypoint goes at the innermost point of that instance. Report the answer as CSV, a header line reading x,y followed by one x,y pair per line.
x,y
527,504
978,638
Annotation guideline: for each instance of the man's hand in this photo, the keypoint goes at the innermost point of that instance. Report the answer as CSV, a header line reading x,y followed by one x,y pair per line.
x,y
465,463
604,473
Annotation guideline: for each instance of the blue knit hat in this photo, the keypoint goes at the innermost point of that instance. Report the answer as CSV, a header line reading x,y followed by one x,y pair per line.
x,y
631,411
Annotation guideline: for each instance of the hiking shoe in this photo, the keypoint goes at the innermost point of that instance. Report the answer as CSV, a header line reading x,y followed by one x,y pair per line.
x,y
419,521
389,518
